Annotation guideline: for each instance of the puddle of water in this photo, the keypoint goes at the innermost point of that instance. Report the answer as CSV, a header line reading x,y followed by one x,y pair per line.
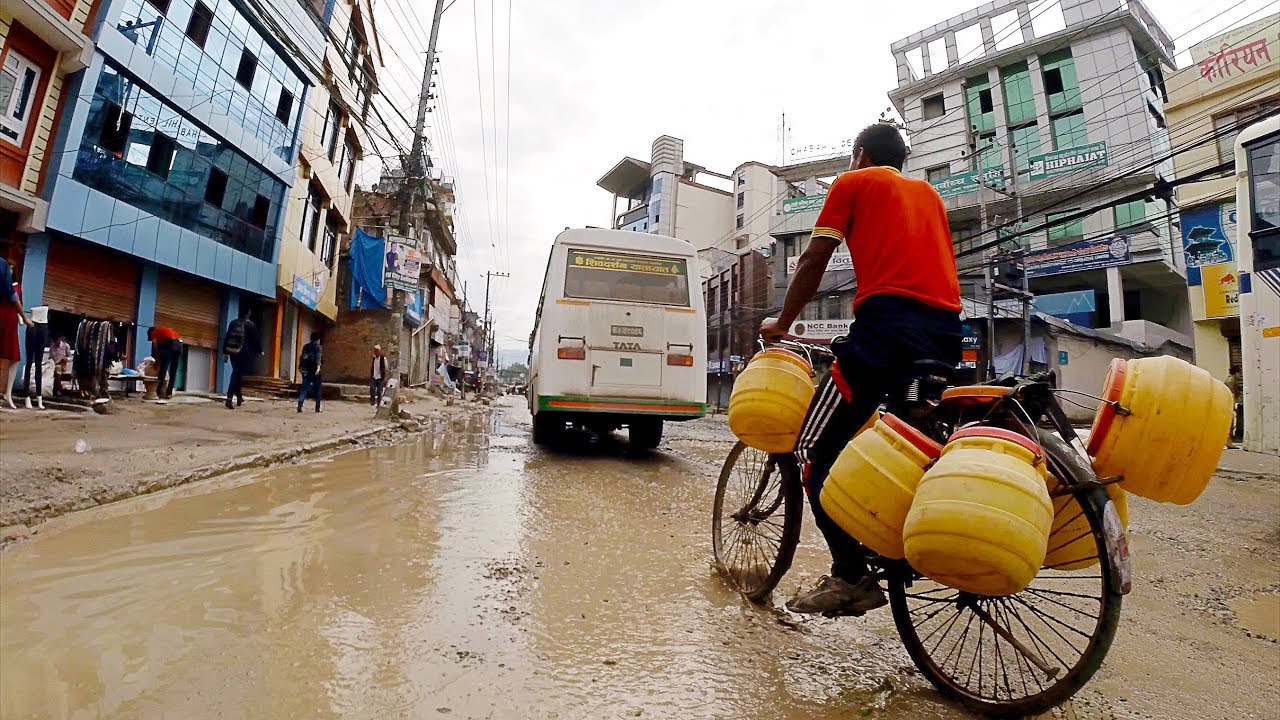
x,y
1259,614
466,575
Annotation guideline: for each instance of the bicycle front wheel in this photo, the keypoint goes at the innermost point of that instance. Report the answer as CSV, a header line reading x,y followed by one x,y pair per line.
x,y
1025,653
755,524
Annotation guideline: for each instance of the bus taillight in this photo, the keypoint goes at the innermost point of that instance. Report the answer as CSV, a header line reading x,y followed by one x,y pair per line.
x,y
680,359
572,353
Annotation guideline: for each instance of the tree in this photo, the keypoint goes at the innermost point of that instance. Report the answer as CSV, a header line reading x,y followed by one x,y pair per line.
x,y
515,370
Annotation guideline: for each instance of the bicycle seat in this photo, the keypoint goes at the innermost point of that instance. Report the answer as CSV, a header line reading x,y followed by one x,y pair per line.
x,y
975,395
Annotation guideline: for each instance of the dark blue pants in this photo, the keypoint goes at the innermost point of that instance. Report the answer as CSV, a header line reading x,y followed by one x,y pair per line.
x,y
310,386
888,334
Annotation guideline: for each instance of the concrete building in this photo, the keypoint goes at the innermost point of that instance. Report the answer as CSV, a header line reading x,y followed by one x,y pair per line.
x,y
173,159
1061,104
41,42
1207,97
332,142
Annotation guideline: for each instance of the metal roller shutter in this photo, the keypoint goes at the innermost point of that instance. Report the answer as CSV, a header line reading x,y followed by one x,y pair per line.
x,y
190,306
84,279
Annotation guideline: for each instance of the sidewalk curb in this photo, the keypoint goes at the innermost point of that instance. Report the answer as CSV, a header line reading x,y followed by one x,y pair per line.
x,y
24,525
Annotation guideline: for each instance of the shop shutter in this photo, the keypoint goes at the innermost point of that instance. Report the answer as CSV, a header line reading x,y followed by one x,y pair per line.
x,y
190,306
92,281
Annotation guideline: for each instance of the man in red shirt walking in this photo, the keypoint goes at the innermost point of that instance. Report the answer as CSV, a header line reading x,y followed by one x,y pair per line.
x,y
906,308
166,348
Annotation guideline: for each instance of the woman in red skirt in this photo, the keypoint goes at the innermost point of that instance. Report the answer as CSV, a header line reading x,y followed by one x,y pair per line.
x,y
10,311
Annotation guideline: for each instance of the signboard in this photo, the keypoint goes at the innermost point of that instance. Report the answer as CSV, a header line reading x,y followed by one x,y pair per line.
x,y
401,264
969,182
1221,283
1061,162
824,330
1064,357
1082,255
969,346
304,292
1074,306
626,263
717,366
840,260
1208,232
809,203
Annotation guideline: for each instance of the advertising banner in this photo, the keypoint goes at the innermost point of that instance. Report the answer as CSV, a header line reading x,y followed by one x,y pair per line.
x,y
304,292
969,182
821,330
402,264
1221,290
1083,255
1061,162
626,263
1208,232
803,204
840,260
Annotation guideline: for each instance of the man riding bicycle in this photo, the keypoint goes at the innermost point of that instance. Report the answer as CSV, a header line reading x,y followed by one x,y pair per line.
x,y
906,308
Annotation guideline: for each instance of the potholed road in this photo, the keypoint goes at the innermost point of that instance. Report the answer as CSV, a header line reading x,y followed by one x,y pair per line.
x,y
467,575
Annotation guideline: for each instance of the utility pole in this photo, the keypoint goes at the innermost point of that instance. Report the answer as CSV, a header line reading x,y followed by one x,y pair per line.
x,y
488,322
416,163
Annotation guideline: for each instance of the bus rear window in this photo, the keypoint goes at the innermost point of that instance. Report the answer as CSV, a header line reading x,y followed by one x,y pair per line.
x,y
630,278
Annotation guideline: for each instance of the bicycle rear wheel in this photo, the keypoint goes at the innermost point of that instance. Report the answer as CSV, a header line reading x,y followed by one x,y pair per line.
x,y
1025,653
755,524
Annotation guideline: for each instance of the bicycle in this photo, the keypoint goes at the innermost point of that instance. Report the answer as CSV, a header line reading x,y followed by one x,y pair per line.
x,y
1004,656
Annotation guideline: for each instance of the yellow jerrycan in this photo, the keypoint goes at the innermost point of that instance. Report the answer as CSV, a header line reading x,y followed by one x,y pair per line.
x,y
981,516
1071,544
1167,441
769,400
873,481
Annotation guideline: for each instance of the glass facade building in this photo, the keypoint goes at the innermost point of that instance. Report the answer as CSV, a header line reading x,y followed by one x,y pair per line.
x,y
142,150
214,46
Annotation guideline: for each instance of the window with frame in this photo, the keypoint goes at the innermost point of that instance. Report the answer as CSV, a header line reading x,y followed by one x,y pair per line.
x,y
19,80
988,154
329,249
160,156
1061,88
978,101
114,134
311,220
1025,142
739,222
347,166
332,124
199,23
1064,233
938,174
1264,202
1019,98
1228,125
215,188
247,69
935,106
1129,214
1069,131
284,106
741,199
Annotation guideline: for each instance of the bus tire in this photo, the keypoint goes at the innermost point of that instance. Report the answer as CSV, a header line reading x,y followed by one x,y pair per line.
x,y
547,428
645,434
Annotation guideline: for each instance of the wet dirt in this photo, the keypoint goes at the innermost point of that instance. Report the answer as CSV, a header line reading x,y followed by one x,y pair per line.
x,y
471,575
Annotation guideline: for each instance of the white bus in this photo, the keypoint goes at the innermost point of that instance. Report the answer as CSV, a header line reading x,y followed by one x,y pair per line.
x,y
619,339
1258,253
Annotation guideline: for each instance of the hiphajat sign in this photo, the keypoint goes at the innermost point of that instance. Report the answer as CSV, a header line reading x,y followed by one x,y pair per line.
x,y
803,204
1061,162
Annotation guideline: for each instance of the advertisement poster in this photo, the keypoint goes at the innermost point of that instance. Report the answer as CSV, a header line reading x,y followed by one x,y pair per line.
x,y
803,204
402,264
821,330
1221,284
840,260
1083,255
1208,234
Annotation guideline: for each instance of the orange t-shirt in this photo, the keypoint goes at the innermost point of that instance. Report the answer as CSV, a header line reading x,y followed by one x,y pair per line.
x,y
897,232
164,333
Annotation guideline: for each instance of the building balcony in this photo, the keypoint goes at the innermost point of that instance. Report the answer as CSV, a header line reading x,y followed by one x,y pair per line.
x,y
55,27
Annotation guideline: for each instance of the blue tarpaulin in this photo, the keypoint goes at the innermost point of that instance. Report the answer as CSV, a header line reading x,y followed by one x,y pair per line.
x,y
367,291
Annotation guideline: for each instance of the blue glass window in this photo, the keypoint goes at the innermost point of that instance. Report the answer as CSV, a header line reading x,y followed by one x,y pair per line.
x,y
233,68
140,150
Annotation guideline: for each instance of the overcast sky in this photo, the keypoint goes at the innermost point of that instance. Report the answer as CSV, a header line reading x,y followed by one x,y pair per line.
x,y
594,80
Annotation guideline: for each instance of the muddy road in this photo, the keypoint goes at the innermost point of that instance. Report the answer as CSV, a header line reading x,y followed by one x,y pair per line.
x,y
470,575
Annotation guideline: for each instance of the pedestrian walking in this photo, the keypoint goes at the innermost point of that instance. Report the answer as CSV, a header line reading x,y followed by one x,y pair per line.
x,y
1235,383
242,345
377,375
309,363
166,348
